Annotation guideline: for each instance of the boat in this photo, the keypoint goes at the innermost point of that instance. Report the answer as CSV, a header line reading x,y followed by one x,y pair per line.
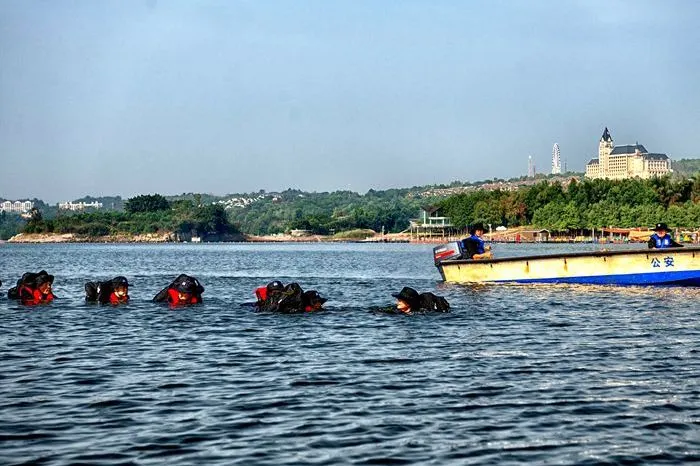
x,y
673,266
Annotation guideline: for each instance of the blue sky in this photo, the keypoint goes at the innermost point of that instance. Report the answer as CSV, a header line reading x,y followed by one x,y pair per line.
x,y
128,97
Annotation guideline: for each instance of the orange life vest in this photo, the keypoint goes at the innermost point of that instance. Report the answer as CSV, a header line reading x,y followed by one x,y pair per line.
x,y
174,298
114,299
32,296
261,293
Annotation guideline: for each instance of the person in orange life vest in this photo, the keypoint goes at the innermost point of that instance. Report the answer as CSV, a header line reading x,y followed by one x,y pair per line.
x,y
276,297
120,291
183,290
33,288
114,291
661,239
265,293
312,301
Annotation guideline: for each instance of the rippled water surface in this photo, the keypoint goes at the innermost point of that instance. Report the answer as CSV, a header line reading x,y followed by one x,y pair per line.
x,y
515,374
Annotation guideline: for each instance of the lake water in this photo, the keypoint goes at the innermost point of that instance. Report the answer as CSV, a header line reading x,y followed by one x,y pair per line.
x,y
514,374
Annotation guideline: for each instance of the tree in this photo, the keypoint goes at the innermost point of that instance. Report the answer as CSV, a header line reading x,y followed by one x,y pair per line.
x,y
146,203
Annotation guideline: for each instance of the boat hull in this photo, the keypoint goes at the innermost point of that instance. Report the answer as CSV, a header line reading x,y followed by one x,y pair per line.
x,y
677,267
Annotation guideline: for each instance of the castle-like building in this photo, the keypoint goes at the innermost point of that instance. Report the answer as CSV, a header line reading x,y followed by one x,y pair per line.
x,y
630,161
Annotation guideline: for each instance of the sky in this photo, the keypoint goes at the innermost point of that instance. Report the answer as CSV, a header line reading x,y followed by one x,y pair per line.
x,y
127,97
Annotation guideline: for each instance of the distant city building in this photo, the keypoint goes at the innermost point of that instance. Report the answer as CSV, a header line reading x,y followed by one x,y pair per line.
x,y
629,161
531,170
16,206
556,160
79,205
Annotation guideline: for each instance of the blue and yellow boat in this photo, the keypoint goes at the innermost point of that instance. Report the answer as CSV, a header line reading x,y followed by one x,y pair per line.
x,y
677,266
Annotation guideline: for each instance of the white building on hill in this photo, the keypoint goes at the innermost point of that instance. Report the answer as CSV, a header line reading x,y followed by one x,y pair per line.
x,y
629,161
16,206
79,205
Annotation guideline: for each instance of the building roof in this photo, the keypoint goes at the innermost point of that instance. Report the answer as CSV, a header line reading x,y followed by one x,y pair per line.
x,y
656,156
606,136
628,149
593,162
430,209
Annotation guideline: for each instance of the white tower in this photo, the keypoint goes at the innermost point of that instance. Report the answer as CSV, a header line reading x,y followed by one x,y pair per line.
x,y
556,160
530,167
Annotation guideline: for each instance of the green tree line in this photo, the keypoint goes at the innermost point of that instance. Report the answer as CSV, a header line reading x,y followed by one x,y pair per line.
x,y
325,213
143,214
582,205
547,204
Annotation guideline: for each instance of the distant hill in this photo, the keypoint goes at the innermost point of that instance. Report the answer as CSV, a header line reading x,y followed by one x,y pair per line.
x,y
686,167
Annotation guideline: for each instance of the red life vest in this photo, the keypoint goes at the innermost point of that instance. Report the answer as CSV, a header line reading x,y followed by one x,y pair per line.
x,y
114,299
174,298
261,293
33,296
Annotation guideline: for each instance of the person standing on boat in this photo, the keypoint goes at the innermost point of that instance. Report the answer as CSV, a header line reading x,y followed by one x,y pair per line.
x,y
474,247
661,239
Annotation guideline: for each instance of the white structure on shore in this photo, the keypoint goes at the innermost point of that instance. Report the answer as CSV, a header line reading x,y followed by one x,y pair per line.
x,y
556,160
79,205
16,206
531,170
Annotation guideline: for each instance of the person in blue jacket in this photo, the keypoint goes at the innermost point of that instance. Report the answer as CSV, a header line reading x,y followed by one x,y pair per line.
x,y
474,247
661,239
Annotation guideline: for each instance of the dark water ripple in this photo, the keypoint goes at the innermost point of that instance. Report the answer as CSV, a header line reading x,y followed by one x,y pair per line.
x,y
516,374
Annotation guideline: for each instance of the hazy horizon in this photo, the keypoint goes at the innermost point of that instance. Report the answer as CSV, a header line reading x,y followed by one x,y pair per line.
x,y
137,97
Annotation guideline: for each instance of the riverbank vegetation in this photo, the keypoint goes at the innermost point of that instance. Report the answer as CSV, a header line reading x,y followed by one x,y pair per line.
x,y
328,213
10,224
582,204
549,203
142,214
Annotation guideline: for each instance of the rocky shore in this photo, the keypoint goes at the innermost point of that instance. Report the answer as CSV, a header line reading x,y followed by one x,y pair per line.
x,y
37,238
73,238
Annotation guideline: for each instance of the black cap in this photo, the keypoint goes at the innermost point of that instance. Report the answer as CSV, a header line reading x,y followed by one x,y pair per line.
x,y
661,226
477,226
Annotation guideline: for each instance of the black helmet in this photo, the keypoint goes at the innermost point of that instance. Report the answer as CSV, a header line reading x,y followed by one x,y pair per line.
x,y
119,282
186,285
275,286
312,297
43,277
410,296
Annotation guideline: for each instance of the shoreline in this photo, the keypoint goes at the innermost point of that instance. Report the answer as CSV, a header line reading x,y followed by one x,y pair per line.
x,y
167,237
39,238
151,238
